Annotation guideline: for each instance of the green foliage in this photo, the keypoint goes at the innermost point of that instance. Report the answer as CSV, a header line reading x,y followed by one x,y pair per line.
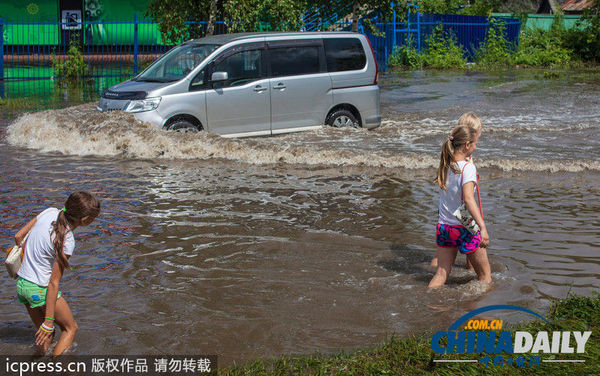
x,y
517,7
494,51
370,27
441,7
542,48
72,68
246,15
467,7
406,56
12,104
584,39
443,51
578,308
482,8
249,15
171,15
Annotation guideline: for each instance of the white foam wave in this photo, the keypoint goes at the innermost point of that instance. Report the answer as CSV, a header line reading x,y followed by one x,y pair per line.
x,y
82,131
507,125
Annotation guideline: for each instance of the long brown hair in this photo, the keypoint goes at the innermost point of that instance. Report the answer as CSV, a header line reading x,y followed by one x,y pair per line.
x,y
79,205
460,135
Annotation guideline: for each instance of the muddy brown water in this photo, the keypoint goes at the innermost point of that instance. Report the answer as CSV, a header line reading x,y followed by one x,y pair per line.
x,y
311,242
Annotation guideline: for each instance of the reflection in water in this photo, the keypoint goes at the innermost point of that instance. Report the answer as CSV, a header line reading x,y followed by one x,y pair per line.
x,y
307,242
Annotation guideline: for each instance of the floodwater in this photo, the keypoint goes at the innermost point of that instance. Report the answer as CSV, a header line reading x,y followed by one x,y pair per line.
x,y
318,241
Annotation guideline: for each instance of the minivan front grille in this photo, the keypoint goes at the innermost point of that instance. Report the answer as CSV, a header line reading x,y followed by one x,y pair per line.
x,y
121,95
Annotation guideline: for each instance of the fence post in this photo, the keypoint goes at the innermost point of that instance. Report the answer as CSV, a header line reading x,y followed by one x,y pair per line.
x,y
394,27
2,54
419,31
135,45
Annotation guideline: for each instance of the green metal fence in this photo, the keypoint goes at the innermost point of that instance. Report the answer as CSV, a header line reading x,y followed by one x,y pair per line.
x,y
541,21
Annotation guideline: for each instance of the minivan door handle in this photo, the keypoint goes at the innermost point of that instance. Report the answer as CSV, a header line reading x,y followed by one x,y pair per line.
x,y
279,86
259,88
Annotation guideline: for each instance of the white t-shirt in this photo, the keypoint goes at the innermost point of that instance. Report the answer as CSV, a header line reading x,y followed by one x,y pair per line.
x,y
39,250
450,198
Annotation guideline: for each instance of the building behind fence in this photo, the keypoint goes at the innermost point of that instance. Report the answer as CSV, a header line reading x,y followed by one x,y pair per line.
x,y
123,48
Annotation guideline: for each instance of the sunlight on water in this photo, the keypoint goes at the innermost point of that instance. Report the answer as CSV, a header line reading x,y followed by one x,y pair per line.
x,y
227,246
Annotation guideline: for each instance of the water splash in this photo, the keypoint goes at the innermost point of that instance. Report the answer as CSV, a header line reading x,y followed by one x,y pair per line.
x,y
82,131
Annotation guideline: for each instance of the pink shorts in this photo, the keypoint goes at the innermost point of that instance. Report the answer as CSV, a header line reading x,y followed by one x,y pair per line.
x,y
450,236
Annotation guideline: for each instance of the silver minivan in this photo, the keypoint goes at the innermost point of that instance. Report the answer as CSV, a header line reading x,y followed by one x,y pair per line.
x,y
256,84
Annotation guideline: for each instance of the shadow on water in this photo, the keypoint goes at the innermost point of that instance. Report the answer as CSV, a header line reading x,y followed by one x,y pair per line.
x,y
17,333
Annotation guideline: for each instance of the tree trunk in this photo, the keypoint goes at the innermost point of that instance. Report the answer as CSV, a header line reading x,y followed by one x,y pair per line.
x,y
212,18
355,9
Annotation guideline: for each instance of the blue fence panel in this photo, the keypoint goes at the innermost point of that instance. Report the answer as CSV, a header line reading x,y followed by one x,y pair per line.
x,y
470,31
123,48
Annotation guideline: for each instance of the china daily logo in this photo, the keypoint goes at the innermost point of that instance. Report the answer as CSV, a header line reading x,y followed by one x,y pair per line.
x,y
470,336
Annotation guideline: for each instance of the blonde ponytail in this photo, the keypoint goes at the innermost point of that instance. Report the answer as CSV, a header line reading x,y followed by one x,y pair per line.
x,y
460,135
446,161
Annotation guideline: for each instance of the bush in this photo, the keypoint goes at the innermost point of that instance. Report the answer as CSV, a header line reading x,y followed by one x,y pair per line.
x,y
542,48
442,51
584,39
73,68
406,56
495,50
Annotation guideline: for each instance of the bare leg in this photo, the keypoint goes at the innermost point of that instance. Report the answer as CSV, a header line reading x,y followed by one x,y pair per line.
x,y
446,257
469,265
434,260
64,319
37,317
481,264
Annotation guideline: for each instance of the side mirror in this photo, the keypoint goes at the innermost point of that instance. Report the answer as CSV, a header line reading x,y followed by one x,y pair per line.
x,y
219,76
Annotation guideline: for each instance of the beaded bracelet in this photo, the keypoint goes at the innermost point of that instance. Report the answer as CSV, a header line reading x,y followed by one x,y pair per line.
x,y
46,328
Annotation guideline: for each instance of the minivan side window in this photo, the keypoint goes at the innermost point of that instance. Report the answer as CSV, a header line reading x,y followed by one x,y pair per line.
x,y
292,61
242,67
199,82
344,54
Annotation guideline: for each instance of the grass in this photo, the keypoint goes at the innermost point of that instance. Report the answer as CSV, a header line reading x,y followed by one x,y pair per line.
x,y
413,355
14,104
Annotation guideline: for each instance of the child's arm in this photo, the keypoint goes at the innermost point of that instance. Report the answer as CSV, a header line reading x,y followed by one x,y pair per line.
x,y
474,210
20,235
51,297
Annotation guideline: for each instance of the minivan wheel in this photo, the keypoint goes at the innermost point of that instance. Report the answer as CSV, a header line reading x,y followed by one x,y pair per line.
x,y
342,119
182,126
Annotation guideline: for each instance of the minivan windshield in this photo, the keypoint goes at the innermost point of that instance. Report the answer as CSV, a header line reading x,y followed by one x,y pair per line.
x,y
177,63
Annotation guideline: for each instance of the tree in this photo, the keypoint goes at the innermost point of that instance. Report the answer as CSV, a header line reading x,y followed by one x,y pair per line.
x,y
212,17
172,16
359,9
585,39
252,15
245,15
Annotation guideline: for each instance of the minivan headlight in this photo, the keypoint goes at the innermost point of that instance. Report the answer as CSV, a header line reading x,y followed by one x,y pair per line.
x,y
142,105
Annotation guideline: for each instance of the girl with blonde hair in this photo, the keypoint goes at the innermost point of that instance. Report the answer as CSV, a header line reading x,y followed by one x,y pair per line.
x,y
456,178
472,121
